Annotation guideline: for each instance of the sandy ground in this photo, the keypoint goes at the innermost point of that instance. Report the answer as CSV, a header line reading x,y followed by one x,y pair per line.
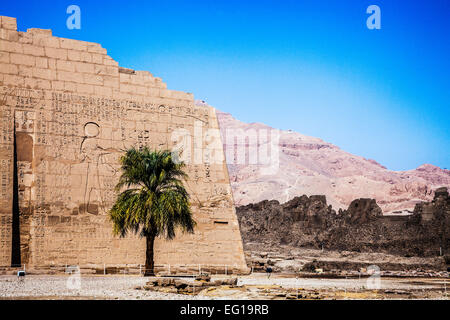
x,y
287,259
91,287
346,284
259,286
255,286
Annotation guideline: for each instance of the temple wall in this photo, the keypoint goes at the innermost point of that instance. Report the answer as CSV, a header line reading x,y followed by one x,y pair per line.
x,y
74,111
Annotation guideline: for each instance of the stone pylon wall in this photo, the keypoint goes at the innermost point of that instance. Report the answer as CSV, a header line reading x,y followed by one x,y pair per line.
x,y
71,111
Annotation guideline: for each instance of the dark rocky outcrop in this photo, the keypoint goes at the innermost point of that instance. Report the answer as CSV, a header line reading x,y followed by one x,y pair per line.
x,y
310,222
363,211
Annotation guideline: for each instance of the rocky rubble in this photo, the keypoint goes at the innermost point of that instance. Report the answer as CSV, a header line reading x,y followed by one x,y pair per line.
x,y
308,222
187,285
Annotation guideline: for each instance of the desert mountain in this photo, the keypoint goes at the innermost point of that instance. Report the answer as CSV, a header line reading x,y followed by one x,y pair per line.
x,y
311,166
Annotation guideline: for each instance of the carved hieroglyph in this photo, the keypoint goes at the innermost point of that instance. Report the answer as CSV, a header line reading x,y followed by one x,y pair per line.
x,y
69,111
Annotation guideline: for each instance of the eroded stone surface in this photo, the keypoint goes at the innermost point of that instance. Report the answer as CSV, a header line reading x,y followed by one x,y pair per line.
x,y
309,222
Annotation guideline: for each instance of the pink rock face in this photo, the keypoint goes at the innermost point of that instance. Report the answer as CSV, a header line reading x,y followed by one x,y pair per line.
x,y
310,166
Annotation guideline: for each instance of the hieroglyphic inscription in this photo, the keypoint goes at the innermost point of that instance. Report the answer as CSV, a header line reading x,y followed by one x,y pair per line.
x,y
6,176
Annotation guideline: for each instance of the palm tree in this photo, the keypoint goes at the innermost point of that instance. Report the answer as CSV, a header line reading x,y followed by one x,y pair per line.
x,y
154,202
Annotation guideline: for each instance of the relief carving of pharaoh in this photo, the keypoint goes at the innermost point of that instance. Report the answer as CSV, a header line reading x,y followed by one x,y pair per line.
x,y
97,161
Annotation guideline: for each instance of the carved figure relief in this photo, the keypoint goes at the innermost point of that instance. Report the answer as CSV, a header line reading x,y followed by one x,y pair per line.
x,y
97,166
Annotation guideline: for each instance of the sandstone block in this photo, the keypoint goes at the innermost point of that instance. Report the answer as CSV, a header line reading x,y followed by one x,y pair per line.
x,y
46,74
181,95
96,48
8,23
9,46
33,50
25,71
103,91
138,79
141,90
84,67
42,32
51,63
9,35
74,55
4,57
70,76
153,92
97,58
25,37
110,62
144,74
160,84
58,85
86,57
165,93
124,78
17,58
106,70
128,88
93,79
46,41
38,83
41,62
65,65
73,44
56,53
112,82
84,88
9,68
13,80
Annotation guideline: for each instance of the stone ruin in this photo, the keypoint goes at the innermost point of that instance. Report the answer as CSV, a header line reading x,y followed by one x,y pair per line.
x,y
309,222
67,113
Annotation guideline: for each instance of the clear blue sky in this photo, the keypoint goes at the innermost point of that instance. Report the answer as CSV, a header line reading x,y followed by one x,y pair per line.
x,y
309,66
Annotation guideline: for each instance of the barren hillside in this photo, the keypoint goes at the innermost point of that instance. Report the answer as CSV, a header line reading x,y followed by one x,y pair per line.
x,y
310,166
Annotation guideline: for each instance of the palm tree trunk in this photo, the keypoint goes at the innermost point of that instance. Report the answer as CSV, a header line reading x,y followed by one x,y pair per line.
x,y
149,261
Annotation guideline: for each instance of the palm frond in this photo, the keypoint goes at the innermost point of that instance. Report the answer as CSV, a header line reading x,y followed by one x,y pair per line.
x,y
154,200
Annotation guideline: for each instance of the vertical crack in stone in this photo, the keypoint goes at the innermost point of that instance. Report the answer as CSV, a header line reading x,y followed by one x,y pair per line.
x,y
15,247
